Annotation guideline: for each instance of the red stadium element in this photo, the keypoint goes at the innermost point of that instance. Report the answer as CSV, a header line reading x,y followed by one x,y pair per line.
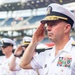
x,y
50,44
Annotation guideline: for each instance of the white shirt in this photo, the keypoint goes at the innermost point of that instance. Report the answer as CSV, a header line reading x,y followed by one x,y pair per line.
x,y
73,70
56,65
27,72
21,71
4,70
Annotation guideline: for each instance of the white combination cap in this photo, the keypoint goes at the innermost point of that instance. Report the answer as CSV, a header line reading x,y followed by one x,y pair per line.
x,y
26,40
7,42
58,12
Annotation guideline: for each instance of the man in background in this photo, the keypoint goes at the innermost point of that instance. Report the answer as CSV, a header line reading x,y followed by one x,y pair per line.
x,y
16,58
7,46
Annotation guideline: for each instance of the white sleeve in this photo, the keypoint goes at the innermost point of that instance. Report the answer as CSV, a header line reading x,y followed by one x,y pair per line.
x,y
17,64
73,69
37,61
17,67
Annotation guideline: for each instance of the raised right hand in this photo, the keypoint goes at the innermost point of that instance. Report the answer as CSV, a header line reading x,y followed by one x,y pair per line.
x,y
39,34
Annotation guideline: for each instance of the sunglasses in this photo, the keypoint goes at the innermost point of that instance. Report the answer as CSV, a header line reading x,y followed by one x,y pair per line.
x,y
4,46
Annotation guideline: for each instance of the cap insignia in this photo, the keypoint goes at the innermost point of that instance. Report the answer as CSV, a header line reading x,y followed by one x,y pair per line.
x,y
2,42
49,10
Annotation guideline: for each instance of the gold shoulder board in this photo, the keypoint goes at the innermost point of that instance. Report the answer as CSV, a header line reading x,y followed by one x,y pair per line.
x,y
73,43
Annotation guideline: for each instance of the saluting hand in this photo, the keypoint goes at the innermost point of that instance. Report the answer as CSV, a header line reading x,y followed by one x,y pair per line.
x,y
18,51
39,34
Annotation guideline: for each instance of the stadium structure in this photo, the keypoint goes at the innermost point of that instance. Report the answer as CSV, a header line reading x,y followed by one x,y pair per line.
x,y
19,18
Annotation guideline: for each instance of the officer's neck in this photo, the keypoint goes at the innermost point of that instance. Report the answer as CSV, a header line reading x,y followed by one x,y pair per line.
x,y
59,46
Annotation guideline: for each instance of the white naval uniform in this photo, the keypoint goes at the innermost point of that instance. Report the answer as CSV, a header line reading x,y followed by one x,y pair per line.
x,y
51,65
73,70
21,71
26,72
4,69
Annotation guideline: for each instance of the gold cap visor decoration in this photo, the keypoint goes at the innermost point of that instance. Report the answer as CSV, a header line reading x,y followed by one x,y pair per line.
x,y
53,18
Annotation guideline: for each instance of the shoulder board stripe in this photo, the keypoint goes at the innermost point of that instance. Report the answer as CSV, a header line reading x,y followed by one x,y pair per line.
x,y
73,43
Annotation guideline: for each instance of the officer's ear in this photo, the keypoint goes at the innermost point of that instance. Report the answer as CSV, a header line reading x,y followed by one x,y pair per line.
x,y
67,28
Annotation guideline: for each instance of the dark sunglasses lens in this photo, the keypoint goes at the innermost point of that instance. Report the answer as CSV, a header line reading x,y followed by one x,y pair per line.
x,y
4,46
